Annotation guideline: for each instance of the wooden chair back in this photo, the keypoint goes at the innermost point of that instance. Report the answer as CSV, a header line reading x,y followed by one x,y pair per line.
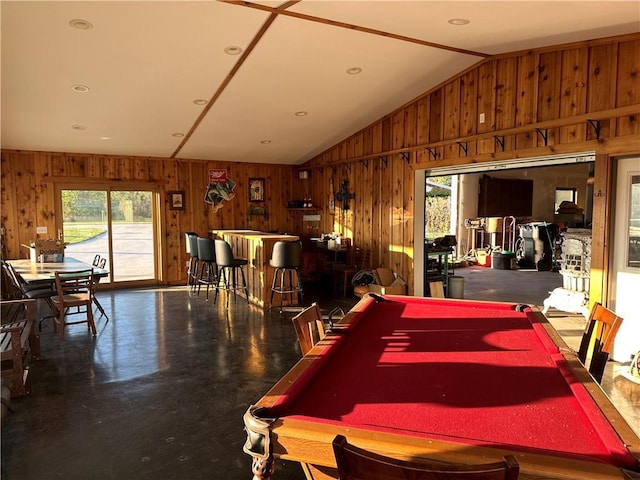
x,y
597,339
309,327
357,464
74,289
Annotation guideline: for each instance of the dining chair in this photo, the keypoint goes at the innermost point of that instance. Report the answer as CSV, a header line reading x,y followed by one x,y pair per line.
x,y
22,290
309,327
286,257
74,289
358,464
597,340
342,274
228,266
102,264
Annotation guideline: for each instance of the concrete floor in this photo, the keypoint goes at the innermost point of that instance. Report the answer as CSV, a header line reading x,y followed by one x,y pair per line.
x,y
160,393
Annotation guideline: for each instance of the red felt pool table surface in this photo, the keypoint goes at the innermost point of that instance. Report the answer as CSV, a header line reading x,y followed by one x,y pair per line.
x,y
464,379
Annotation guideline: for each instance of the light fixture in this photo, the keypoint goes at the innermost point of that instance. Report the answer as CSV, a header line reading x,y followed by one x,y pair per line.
x,y
459,21
265,142
81,24
200,101
80,88
105,138
354,70
233,50
78,127
177,134
300,113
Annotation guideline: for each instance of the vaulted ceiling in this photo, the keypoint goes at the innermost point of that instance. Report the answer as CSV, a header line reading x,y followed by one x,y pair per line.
x,y
263,81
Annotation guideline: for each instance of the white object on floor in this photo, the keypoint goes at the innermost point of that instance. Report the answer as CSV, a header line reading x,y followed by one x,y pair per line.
x,y
568,301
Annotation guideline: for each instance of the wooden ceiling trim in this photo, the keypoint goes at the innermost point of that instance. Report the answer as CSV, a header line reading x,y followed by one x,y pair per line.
x,y
226,81
372,31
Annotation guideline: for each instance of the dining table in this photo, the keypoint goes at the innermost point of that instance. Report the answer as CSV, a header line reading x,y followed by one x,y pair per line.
x,y
44,273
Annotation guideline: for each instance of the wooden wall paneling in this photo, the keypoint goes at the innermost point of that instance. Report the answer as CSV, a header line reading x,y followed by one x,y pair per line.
x,y
26,208
469,108
527,94
451,116
94,167
154,169
628,85
407,223
44,196
140,169
58,165
435,122
8,200
361,190
396,246
110,168
575,69
376,213
506,70
394,169
549,79
486,105
422,128
601,85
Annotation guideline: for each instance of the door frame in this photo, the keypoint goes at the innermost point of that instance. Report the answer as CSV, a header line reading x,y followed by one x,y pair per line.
x,y
157,214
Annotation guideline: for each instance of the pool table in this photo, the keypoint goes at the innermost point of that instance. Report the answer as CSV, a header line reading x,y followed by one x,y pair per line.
x,y
443,380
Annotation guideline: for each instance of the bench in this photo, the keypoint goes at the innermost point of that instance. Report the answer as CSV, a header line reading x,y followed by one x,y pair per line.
x,y
18,342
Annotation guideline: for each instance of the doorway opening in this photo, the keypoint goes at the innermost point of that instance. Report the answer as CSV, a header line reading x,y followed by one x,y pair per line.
x,y
463,208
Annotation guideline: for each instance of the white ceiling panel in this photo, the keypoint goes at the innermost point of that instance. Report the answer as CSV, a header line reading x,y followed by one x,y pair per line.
x,y
145,63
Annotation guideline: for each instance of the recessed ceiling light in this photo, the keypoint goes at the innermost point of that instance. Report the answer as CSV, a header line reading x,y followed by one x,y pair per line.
x,y
105,138
200,101
459,21
265,142
178,134
354,70
78,127
81,24
80,88
233,50
300,114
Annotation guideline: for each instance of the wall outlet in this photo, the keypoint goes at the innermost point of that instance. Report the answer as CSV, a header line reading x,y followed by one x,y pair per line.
x,y
482,118
41,230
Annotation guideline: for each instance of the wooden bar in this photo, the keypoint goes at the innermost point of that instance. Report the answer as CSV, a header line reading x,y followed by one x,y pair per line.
x,y
257,248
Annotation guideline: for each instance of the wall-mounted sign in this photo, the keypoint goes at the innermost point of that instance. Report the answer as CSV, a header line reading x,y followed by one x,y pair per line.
x,y
220,188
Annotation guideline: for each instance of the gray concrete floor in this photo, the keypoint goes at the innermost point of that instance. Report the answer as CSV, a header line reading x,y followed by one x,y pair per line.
x,y
160,393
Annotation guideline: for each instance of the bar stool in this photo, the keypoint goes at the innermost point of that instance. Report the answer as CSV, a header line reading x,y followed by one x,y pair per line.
x,y
192,271
207,260
227,263
286,257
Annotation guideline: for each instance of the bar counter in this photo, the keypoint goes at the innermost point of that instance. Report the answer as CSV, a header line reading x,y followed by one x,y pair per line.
x,y
257,248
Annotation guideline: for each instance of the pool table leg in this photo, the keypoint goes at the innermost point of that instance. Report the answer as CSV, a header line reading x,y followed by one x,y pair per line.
x,y
262,468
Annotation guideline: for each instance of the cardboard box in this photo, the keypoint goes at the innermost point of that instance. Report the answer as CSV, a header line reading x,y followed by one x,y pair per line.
x,y
398,287
48,251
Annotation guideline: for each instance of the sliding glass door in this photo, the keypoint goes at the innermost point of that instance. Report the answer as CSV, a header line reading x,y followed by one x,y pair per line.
x,y
116,225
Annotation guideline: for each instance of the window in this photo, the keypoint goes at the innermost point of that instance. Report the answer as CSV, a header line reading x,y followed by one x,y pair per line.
x,y
565,195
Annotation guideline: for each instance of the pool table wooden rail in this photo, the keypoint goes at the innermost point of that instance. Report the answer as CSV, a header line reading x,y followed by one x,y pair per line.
x,y
310,444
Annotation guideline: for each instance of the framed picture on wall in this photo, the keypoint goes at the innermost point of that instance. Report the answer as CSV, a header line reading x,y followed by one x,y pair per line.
x,y
176,200
256,189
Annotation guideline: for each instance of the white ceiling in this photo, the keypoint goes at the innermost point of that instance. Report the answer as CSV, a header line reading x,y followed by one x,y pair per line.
x,y
145,63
